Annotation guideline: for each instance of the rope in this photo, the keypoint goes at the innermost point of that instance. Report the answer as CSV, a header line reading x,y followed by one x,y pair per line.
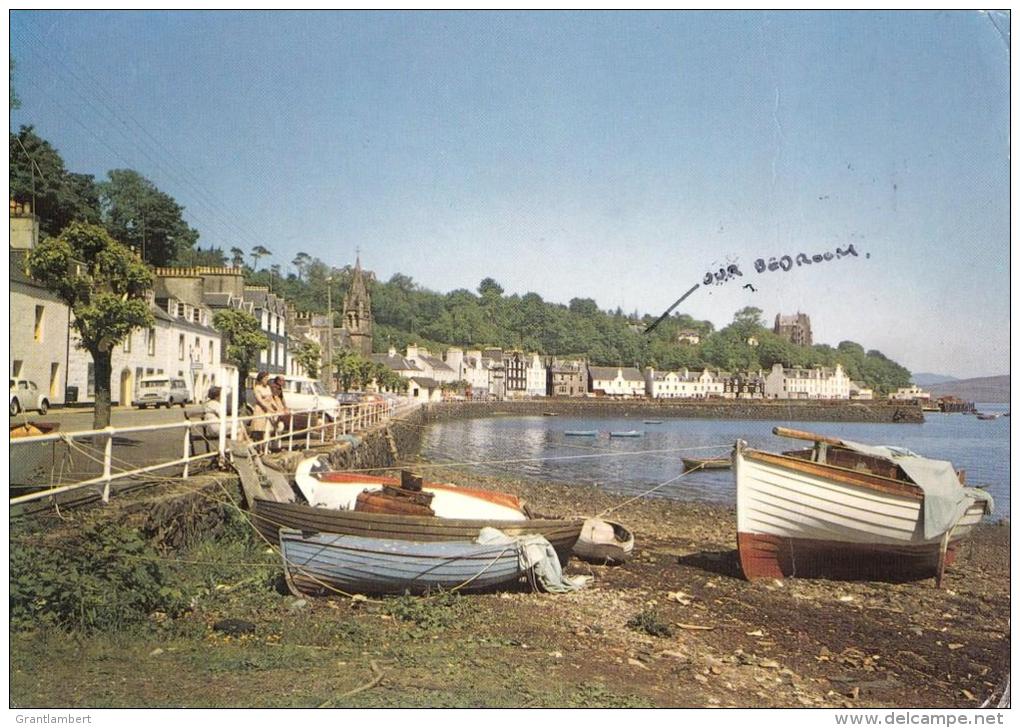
x,y
609,510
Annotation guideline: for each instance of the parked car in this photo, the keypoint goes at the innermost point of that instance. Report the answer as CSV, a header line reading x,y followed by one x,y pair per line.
x,y
161,390
25,395
304,393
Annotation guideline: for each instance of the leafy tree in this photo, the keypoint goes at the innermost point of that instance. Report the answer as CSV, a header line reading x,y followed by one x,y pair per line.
x,y
309,355
300,263
15,102
237,257
104,284
489,289
211,256
37,173
146,219
243,337
259,251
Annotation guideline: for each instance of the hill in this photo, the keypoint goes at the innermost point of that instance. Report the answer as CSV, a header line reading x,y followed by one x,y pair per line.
x,y
980,389
924,379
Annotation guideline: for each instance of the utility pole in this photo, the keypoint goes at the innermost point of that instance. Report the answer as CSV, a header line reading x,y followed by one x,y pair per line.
x,y
329,339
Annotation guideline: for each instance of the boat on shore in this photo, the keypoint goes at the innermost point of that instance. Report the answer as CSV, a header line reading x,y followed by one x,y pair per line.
x,y
270,516
317,562
628,433
335,489
849,509
581,433
604,542
707,463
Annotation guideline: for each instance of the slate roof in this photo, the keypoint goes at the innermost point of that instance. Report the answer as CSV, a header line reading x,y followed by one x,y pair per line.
x,y
396,363
426,382
629,373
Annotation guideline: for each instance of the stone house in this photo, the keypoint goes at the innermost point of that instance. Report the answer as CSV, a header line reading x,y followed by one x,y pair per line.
x,y
566,377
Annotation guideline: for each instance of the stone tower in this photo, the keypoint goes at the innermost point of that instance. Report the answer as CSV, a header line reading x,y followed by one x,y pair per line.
x,y
358,313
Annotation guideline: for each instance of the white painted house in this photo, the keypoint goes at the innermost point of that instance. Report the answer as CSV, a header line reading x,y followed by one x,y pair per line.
x,y
536,376
683,384
430,366
908,394
38,333
616,381
800,383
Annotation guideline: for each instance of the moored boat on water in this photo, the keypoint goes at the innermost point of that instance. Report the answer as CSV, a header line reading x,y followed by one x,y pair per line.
x,y
988,416
847,508
340,490
707,463
628,433
269,517
581,433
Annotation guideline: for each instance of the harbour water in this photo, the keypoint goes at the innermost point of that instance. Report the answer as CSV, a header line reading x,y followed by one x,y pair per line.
x,y
536,447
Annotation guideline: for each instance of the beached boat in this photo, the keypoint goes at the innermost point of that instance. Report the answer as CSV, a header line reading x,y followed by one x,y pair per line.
x,y
340,490
550,414
269,517
846,508
707,463
581,433
604,542
320,562
628,433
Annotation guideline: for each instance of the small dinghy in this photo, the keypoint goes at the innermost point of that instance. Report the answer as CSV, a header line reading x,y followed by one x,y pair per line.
x,y
628,433
604,542
707,464
653,422
581,433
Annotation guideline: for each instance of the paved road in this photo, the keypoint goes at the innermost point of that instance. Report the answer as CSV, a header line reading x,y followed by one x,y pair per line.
x,y
45,464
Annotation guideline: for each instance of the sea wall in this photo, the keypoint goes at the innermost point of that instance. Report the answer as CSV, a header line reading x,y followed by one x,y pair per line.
x,y
782,410
380,447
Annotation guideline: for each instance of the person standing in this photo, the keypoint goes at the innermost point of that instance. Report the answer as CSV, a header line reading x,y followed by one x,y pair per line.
x,y
263,422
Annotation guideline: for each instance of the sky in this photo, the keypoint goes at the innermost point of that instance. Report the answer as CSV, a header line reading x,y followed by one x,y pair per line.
x,y
615,156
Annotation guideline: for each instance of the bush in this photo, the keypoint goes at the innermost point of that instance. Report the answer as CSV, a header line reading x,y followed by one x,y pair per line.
x,y
428,612
105,578
649,622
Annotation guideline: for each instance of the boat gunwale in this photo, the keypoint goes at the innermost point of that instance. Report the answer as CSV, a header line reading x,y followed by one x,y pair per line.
x,y
837,473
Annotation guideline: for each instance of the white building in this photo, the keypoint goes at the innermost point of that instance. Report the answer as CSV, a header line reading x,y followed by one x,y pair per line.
x,y
182,343
39,332
472,368
424,389
859,391
800,383
908,394
684,384
688,336
398,364
430,366
536,376
617,381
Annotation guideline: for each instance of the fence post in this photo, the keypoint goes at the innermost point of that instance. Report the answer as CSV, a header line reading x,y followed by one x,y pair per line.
x,y
187,449
290,436
221,444
321,418
107,462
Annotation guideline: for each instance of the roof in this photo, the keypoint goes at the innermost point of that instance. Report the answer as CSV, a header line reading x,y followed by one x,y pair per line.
x,y
426,382
629,373
436,363
396,363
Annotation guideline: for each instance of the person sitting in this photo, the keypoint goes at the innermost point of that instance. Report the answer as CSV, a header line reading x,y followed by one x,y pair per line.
x,y
283,413
211,415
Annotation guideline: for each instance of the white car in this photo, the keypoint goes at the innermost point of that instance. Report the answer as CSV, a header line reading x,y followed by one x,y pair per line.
x,y
161,390
25,395
304,393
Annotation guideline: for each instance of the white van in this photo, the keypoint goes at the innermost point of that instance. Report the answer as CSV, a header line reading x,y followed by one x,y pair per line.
x,y
161,390
304,393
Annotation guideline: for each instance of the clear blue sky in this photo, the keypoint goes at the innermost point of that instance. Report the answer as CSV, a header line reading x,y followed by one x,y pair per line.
x,y
607,155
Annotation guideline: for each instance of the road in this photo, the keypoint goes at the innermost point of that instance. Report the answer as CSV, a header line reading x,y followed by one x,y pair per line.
x,y
45,464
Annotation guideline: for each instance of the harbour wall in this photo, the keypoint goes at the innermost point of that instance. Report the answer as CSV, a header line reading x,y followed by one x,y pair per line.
x,y
781,410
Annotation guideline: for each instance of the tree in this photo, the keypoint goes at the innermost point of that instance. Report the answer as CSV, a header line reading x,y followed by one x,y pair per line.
x,y
144,218
15,101
38,176
300,263
237,257
489,289
212,257
309,355
104,284
257,252
749,317
243,337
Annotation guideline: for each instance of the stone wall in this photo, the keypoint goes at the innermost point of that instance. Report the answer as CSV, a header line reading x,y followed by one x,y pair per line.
x,y
782,410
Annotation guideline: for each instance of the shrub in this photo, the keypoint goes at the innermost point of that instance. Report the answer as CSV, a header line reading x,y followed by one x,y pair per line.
x,y
649,622
105,578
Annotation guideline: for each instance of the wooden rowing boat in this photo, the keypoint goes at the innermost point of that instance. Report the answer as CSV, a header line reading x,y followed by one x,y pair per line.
x,y
840,512
339,489
321,562
269,517
604,542
581,433
707,463
628,433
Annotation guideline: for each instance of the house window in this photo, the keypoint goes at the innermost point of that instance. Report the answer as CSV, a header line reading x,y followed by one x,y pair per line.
x,y
38,331
180,347
127,344
211,350
152,342
180,309
90,387
16,368
54,379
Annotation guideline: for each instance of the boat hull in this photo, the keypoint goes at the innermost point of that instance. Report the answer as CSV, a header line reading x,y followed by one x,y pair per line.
x,y
269,517
325,562
601,545
707,464
804,518
340,490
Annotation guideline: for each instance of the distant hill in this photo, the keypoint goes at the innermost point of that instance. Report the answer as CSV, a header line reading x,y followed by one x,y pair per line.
x,y
981,389
923,379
